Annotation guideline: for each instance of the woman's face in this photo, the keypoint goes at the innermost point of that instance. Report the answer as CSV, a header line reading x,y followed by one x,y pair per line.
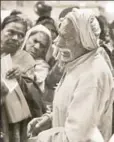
x,y
37,45
12,37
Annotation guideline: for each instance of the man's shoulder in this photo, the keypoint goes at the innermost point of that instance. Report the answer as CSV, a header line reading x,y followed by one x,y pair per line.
x,y
101,68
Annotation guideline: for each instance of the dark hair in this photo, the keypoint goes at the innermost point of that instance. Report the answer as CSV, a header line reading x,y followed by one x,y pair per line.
x,y
41,8
104,26
111,32
13,18
65,11
15,12
46,20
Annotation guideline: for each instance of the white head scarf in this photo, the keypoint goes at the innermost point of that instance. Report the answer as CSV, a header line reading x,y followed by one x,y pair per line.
x,y
88,27
38,28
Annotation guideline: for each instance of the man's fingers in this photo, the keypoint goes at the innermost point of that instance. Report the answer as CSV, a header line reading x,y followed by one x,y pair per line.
x,y
32,126
36,130
42,122
35,121
10,76
32,123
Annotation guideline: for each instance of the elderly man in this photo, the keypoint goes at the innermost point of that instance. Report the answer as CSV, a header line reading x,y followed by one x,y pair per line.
x,y
83,97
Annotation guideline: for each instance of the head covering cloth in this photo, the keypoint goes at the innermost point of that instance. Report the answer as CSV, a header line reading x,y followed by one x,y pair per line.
x,y
36,29
88,27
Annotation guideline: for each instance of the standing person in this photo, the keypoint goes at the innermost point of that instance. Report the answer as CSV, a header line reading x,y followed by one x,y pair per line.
x,y
49,23
37,42
83,95
12,35
43,10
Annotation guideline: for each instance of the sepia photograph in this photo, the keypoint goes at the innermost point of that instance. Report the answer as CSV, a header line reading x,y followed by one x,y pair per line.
x,y
57,69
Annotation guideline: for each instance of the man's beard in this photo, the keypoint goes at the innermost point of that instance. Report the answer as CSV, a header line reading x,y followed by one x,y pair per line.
x,y
64,55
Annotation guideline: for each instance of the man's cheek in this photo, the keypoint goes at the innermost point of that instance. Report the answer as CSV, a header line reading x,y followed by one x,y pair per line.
x,y
20,41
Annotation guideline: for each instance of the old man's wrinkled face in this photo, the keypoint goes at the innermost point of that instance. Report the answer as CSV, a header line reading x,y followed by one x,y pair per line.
x,y
67,41
37,45
12,37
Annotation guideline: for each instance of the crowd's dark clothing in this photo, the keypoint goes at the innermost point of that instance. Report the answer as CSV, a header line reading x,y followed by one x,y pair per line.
x,y
33,96
113,120
42,18
52,81
65,11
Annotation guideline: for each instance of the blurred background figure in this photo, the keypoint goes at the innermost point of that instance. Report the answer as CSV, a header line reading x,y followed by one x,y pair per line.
x,y
37,42
105,37
49,23
15,12
112,31
42,10
24,16
65,11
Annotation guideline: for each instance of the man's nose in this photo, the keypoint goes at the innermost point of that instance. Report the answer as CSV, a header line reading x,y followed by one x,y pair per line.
x,y
37,46
15,37
56,40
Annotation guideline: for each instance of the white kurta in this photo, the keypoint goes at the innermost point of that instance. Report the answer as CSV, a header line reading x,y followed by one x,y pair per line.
x,y
81,99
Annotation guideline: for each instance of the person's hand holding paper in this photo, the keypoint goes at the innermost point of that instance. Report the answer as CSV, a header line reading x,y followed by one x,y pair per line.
x,y
15,72
6,65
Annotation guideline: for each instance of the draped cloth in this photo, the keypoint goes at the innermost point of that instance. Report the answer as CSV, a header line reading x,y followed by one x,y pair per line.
x,y
82,101
41,67
36,29
88,27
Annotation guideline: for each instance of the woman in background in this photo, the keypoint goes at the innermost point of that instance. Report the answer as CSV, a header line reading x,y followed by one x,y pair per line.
x,y
37,42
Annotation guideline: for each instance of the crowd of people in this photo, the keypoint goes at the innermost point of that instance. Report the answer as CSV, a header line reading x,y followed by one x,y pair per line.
x,y
65,72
